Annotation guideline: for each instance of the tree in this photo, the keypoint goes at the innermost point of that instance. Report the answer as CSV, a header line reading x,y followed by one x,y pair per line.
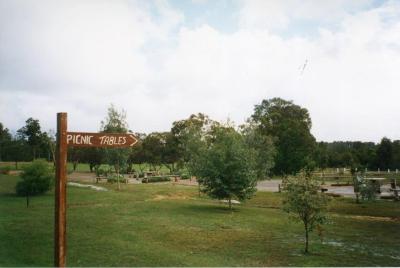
x,y
36,180
153,146
5,139
263,147
49,139
384,154
115,122
136,155
189,135
305,202
170,154
289,125
396,154
32,133
75,155
226,168
93,156
17,151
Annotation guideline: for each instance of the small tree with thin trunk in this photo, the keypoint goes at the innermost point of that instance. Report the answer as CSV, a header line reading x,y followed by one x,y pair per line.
x,y
226,168
305,202
36,179
115,122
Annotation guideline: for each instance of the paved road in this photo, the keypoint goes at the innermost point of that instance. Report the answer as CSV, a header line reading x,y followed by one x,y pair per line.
x,y
273,186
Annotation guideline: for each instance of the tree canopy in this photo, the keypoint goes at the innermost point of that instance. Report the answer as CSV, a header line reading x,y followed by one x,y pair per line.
x,y
226,168
290,126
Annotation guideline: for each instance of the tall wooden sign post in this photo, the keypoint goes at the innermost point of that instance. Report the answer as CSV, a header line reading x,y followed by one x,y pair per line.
x,y
75,139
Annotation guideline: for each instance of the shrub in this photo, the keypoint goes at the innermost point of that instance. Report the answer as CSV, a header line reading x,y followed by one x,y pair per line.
x,y
36,179
114,179
155,179
185,176
368,190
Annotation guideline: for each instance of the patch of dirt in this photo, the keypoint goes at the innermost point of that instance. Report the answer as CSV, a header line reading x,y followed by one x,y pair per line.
x,y
371,218
177,196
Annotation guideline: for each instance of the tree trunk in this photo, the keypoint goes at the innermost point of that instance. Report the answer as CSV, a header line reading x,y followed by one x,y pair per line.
x,y
16,165
198,184
306,229
230,203
74,165
117,169
27,200
357,198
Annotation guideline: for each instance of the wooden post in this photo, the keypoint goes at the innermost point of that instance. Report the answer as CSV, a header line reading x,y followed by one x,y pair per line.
x,y
60,222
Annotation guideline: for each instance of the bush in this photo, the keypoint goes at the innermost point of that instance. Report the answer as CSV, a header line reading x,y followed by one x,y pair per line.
x,y
36,179
185,176
5,170
102,172
114,179
368,190
155,179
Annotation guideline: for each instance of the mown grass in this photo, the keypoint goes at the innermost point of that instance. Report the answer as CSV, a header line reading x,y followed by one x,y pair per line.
x,y
170,225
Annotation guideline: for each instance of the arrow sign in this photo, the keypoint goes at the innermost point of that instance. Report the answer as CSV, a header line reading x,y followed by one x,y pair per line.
x,y
83,139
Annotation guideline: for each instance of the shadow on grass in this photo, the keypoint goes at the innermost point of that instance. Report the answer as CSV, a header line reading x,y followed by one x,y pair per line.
x,y
206,209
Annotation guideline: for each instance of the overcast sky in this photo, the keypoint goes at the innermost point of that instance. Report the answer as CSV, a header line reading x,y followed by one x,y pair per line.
x,y
164,60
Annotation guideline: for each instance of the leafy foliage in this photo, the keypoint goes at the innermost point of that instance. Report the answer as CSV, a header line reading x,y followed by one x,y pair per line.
x,y
36,179
191,136
5,138
289,125
305,202
226,169
263,147
32,133
115,122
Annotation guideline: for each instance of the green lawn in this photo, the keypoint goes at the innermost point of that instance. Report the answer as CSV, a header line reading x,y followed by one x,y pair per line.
x,y
169,225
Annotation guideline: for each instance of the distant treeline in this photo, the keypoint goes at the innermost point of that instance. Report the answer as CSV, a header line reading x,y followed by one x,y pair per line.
x,y
384,155
278,132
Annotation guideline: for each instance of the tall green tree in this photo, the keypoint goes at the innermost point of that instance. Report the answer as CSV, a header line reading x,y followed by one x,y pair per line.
x,y
396,154
5,139
227,168
18,150
384,154
289,125
33,134
136,155
153,148
171,152
191,134
263,147
305,203
94,157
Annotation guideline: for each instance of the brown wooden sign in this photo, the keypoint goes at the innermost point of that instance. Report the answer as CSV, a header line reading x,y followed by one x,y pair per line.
x,y
75,139
82,139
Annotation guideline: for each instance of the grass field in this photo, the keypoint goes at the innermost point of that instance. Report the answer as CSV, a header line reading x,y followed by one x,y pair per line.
x,y
169,225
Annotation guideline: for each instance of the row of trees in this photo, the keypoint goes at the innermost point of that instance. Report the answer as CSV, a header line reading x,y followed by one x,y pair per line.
x,y
384,155
278,130
29,143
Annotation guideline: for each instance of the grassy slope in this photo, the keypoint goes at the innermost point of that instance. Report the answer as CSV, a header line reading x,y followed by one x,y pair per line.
x,y
167,225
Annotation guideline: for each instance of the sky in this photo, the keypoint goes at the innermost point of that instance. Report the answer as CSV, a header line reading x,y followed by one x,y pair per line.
x,y
162,61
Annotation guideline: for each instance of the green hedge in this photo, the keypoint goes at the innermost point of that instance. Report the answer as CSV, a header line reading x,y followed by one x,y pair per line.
x,y
155,179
